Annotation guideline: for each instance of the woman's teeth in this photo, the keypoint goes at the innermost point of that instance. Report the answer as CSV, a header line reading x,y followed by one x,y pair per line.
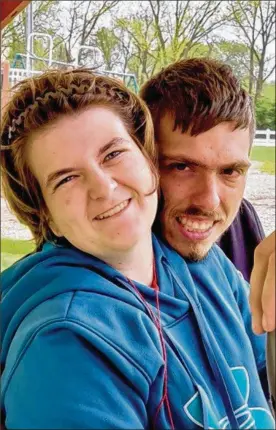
x,y
113,211
195,225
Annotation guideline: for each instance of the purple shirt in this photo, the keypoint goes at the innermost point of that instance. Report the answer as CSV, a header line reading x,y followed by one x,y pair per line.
x,y
242,237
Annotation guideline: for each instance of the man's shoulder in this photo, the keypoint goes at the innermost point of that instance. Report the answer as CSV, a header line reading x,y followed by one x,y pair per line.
x,y
216,262
214,257
217,256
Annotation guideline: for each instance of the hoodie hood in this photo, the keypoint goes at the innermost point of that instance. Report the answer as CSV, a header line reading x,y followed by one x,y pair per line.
x,y
52,271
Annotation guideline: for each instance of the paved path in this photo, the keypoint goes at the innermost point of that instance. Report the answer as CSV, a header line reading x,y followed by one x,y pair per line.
x,y
260,191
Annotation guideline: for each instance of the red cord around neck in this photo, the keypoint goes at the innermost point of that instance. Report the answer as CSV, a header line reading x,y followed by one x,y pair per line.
x,y
157,321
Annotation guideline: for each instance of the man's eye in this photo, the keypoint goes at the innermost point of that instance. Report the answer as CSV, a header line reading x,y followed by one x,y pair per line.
x,y
234,173
112,155
178,166
64,181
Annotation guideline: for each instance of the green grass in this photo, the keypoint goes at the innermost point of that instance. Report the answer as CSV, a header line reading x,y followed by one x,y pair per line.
x,y
268,167
266,155
13,250
263,153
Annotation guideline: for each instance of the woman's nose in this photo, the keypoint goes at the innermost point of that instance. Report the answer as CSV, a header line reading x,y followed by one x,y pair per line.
x,y
101,185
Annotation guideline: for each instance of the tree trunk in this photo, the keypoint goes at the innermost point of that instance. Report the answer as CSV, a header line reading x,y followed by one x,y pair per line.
x,y
251,71
260,80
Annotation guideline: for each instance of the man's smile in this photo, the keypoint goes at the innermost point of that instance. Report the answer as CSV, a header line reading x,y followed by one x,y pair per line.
x,y
195,229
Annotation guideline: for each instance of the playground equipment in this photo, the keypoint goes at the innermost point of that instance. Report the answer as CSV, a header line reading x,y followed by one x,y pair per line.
x,y
27,61
96,53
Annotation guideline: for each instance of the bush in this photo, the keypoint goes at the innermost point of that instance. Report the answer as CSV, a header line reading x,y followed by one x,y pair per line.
x,y
265,114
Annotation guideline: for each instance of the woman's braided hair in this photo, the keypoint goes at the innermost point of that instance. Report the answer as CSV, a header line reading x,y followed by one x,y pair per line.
x,y
39,101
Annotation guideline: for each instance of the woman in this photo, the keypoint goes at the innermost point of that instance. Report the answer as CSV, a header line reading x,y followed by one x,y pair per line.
x,y
98,329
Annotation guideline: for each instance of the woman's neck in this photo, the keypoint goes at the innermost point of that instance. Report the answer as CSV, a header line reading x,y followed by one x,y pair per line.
x,y
136,264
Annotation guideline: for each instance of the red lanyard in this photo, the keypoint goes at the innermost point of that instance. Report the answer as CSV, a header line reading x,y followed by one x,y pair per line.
x,y
157,321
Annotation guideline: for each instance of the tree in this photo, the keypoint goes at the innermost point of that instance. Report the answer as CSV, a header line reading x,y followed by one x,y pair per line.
x,y
70,23
140,43
160,32
265,107
82,22
14,40
13,37
182,25
254,20
265,114
107,41
237,55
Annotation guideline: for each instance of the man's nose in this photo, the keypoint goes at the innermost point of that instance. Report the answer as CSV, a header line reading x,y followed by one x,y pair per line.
x,y
101,185
206,193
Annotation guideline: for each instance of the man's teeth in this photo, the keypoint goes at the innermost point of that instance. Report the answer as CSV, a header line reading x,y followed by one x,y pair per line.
x,y
195,225
114,210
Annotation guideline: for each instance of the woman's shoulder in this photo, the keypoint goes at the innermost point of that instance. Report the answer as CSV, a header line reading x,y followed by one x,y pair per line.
x,y
86,305
90,321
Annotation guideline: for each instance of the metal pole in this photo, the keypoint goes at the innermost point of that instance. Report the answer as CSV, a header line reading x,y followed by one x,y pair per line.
x,y
29,30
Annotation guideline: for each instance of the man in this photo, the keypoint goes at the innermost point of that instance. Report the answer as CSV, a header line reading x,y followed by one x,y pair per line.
x,y
204,128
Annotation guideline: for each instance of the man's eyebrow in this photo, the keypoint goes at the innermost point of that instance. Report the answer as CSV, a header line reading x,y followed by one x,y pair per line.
x,y
55,175
238,164
181,159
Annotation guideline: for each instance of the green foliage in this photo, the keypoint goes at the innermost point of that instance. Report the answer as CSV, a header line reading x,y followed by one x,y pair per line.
x,y
107,42
143,39
236,55
265,113
269,91
14,36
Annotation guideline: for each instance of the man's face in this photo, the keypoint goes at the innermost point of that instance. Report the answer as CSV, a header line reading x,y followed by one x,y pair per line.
x,y
202,181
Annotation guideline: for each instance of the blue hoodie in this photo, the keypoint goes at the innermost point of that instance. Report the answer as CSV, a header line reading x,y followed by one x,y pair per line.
x,y
81,350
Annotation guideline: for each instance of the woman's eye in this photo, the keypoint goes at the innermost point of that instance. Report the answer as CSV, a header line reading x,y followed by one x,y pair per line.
x,y
64,181
112,155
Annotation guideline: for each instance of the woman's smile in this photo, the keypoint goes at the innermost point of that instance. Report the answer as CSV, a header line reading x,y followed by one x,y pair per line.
x,y
116,210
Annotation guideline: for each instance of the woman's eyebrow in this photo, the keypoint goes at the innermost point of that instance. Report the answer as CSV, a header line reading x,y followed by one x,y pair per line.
x,y
55,175
112,142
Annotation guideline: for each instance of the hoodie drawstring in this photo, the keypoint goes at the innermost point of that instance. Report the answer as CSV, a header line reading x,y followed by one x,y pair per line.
x,y
157,321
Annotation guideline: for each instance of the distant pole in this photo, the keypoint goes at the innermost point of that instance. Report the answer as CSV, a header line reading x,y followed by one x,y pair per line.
x,y
5,90
29,29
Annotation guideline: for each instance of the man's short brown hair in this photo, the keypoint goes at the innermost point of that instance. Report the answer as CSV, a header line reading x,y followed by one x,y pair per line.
x,y
199,93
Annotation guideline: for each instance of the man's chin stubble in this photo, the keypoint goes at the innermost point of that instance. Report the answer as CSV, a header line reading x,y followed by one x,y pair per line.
x,y
194,254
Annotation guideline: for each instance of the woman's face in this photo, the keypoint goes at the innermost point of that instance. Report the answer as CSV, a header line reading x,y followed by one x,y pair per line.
x,y
94,180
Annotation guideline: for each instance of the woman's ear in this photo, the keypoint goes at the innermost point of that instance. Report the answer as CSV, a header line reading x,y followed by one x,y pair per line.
x,y
48,222
54,228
